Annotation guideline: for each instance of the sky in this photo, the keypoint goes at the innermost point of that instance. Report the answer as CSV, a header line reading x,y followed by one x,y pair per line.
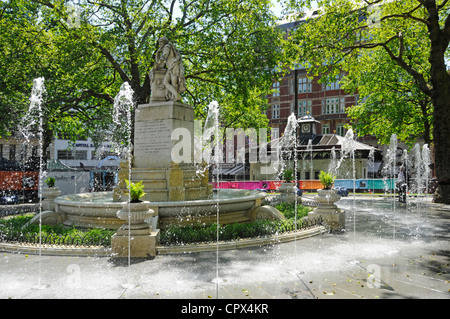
x,y
276,7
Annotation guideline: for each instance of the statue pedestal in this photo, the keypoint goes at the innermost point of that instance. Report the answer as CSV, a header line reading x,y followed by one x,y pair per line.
x,y
164,133
154,125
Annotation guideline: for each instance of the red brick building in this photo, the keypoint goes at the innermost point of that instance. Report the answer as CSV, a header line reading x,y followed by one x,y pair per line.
x,y
296,93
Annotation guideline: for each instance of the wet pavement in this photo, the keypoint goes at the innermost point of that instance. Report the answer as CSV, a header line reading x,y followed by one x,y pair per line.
x,y
387,251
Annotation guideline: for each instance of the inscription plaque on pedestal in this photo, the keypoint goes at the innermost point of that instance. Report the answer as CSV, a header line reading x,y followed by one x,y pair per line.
x,y
154,125
153,138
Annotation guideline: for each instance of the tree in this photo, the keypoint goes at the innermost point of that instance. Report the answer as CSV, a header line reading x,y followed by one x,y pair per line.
x,y
389,101
227,47
78,94
412,35
19,46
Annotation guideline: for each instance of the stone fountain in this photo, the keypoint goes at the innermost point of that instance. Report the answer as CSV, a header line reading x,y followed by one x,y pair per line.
x,y
178,193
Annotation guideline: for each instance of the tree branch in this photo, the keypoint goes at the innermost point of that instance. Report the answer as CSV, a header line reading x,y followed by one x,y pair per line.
x,y
103,50
439,7
6,6
416,75
114,63
194,19
407,15
191,76
446,30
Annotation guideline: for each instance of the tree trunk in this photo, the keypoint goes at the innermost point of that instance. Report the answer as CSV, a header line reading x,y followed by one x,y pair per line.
x,y
441,136
440,97
440,81
424,103
47,138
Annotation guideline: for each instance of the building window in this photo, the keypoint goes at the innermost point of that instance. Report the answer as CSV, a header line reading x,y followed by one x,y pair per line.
x,y
72,155
292,107
292,86
342,106
274,136
326,129
340,129
304,107
275,111
333,85
304,85
64,154
81,155
276,87
333,105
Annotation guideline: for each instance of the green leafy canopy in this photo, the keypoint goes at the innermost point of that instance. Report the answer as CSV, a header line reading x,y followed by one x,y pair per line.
x,y
85,50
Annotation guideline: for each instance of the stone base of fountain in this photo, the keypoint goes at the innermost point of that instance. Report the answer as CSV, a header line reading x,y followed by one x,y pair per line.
x,y
140,243
331,215
178,182
135,237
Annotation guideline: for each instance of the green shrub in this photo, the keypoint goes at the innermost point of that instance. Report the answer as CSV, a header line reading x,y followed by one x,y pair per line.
x,y
16,227
288,210
50,181
173,235
136,191
176,235
326,179
288,175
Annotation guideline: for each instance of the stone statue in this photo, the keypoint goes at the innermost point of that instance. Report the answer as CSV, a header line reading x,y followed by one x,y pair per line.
x,y
168,73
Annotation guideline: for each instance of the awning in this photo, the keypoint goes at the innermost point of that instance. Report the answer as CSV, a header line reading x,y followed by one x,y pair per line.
x,y
236,170
57,165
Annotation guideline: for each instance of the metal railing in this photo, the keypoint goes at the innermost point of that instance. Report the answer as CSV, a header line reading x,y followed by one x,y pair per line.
x,y
18,209
309,202
87,240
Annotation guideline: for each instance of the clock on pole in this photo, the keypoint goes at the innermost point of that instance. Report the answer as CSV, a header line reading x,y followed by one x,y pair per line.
x,y
308,126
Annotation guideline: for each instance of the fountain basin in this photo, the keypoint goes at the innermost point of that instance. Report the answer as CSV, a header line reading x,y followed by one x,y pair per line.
x,y
98,210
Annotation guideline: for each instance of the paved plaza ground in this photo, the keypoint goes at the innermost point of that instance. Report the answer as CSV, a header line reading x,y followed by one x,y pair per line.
x,y
402,254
